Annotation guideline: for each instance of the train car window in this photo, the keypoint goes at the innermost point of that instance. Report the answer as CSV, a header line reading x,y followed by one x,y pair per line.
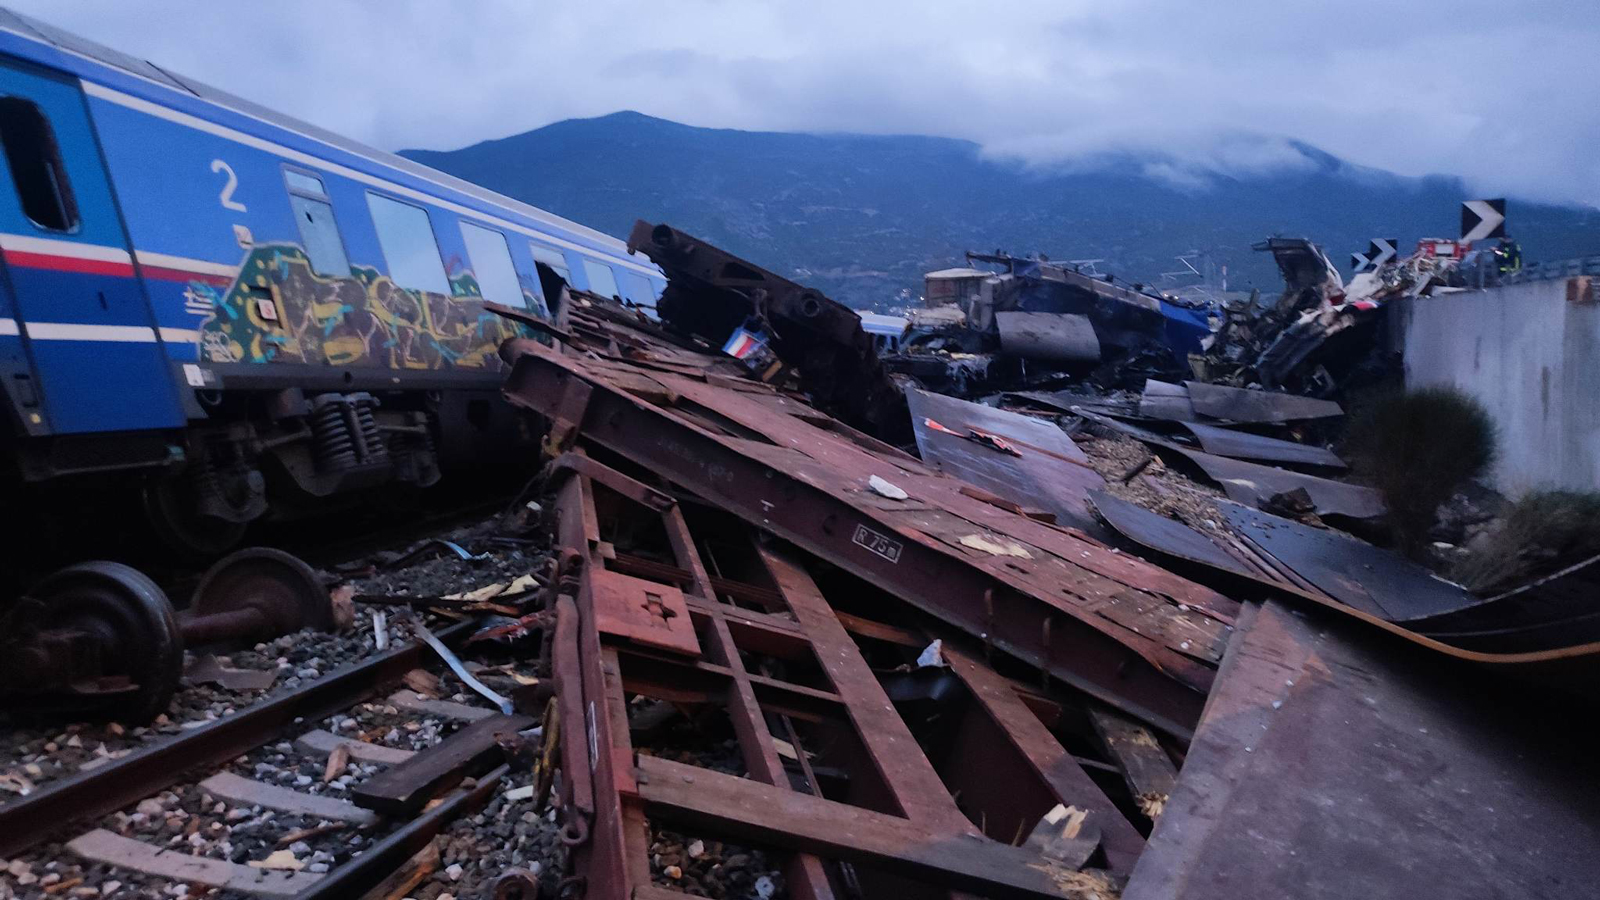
x,y
319,233
36,167
492,266
320,236
635,288
552,258
601,279
301,183
406,237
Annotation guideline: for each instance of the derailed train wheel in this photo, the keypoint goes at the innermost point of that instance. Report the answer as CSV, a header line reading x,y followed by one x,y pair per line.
x,y
116,651
181,528
280,588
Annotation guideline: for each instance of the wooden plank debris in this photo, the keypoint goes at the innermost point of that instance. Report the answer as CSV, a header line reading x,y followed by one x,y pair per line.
x,y
113,849
321,743
249,792
403,789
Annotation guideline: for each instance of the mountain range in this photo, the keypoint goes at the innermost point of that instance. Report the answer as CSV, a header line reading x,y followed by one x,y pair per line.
x,y
864,216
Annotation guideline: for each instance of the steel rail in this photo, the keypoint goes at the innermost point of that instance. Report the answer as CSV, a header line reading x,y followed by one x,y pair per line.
x,y
29,821
365,871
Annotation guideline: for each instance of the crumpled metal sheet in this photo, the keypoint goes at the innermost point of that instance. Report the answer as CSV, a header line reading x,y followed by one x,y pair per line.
x,y
1244,445
1356,573
1050,473
1168,536
1243,405
1253,484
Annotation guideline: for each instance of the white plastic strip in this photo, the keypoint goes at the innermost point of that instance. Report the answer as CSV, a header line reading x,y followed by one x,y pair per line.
x,y
8,327
23,243
454,662
185,264
180,335
73,331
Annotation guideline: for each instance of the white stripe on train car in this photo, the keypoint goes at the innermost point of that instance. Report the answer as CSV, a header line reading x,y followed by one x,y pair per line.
x,y
8,327
22,243
184,264
180,335
74,331
305,159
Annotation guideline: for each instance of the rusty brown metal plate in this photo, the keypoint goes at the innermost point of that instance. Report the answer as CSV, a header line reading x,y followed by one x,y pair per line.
x,y
894,818
1329,766
1046,469
1134,635
645,612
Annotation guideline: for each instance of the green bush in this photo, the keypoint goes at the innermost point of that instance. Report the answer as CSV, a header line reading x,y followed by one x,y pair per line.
x,y
1418,448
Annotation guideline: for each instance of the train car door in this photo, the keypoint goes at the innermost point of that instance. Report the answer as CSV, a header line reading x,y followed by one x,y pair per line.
x,y
71,292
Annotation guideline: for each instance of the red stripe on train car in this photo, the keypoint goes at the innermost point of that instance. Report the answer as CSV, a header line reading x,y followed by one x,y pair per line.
x,y
68,263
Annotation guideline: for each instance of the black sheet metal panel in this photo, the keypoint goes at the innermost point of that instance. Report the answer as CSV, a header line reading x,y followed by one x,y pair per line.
x,y
1051,474
1162,400
1244,405
1251,483
1558,610
1329,766
1244,445
1371,579
1164,535
1058,337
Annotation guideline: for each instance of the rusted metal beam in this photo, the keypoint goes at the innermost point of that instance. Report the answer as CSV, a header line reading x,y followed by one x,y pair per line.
x,y
887,801
764,814
1048,771
1127,633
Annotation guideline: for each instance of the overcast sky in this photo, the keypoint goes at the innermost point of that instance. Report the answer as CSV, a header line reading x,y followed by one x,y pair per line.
x,y
1506,94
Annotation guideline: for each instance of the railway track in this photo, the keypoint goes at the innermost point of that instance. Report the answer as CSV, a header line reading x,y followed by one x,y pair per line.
x,y
315,792
277,745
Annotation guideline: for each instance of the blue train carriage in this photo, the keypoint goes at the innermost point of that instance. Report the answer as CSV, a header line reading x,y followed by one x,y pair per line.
x,y
253,312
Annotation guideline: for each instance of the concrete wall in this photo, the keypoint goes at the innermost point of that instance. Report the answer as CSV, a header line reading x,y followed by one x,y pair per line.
x,y
1531,354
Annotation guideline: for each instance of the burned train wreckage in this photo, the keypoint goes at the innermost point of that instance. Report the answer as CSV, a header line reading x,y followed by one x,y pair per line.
x,y
945,664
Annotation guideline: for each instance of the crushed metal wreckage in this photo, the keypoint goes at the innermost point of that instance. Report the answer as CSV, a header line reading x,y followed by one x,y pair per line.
x,y
1324,336
955,673
1027,319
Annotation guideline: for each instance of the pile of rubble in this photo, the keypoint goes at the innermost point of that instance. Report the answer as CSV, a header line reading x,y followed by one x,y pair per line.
x,y
1029,322
1058,644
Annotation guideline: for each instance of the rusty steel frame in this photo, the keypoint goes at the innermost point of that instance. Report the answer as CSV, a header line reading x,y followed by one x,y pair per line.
x,y
901,821
802,499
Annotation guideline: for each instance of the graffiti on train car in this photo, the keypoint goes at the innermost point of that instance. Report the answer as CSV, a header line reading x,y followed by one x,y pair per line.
x,y
278,310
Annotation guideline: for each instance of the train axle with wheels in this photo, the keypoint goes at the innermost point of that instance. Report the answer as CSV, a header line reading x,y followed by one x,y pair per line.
x,y
101,639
